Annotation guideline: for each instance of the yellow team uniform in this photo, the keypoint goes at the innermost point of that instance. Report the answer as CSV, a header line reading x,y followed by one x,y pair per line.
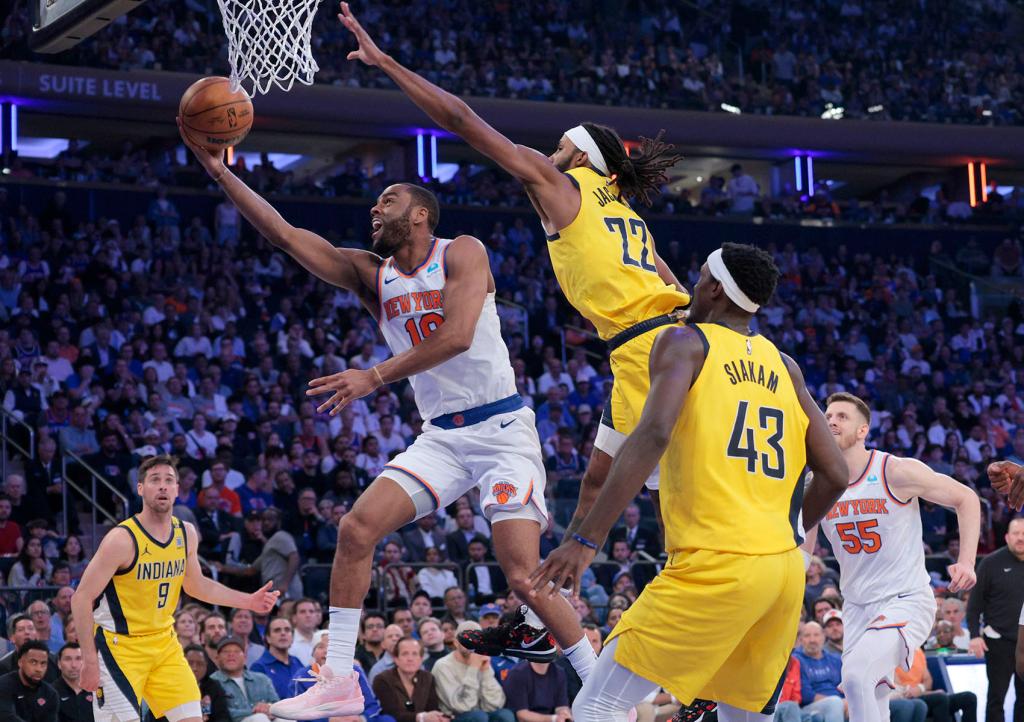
x,y
719,621
604,262
140,657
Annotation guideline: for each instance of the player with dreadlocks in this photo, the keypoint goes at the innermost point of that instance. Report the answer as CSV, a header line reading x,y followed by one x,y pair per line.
x,y
602,252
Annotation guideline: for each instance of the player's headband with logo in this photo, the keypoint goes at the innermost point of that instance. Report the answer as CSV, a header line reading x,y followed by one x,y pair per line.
x,y
582,139
721,274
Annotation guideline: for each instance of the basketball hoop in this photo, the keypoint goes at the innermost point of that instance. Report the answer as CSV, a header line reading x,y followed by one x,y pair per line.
x,y
269,43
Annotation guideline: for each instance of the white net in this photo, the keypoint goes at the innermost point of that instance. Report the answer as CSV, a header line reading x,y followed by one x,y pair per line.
x,y
269,43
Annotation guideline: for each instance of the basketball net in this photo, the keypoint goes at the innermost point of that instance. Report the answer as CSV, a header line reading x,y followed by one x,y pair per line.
x,y
269,43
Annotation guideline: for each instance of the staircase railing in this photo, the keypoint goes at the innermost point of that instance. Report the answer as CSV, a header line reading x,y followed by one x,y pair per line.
x,y
69,458
7,419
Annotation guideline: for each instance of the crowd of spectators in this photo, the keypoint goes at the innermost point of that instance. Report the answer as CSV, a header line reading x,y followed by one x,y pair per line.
x,y
877,59
734,195
122,339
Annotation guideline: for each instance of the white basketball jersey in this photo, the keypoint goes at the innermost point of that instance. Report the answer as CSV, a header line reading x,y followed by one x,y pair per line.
x,y
412,307
876,537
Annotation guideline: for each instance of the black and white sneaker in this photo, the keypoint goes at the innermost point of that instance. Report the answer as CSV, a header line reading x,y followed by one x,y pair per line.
x,y
512,638
694,711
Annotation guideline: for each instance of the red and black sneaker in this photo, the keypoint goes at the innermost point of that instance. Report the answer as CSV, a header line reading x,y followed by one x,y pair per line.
x,y
694,711
512,638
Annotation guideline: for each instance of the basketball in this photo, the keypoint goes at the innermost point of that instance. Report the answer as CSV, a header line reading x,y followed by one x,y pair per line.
x,y
213,116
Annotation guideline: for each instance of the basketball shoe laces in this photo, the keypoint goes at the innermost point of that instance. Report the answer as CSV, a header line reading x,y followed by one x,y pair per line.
x,y
694,711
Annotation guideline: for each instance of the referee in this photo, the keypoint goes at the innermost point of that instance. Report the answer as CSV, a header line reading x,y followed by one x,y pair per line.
x,y
993,616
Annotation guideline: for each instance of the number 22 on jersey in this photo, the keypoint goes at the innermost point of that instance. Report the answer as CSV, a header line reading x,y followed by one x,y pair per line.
x,y
632,230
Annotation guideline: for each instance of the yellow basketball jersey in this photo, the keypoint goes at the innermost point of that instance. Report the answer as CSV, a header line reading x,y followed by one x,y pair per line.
x,y
731,478
604,260
142,598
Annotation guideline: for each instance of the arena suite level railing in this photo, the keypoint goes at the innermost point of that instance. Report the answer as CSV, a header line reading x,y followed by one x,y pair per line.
x,y
8,441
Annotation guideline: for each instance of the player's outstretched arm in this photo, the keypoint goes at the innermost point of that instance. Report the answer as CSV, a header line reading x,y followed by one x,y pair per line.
x,y
347,268
116,551
676,358
466,283
454,115
830,476
908,478
201,587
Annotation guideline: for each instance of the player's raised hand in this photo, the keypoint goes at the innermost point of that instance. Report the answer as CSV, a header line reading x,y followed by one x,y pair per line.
x,y
211,160
565,565
347,387
368,51
962,577
262,601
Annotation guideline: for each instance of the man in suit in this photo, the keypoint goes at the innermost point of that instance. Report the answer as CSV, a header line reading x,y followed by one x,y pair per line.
x,y
485,582
216,526
115,465
458,541
640,539
46,485
424,536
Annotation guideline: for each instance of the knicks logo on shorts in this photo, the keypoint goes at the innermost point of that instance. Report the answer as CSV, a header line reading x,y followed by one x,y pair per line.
x,y
503,491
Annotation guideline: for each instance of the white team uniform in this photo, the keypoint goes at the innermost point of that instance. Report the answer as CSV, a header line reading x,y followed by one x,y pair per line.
x,y
476,429
876,537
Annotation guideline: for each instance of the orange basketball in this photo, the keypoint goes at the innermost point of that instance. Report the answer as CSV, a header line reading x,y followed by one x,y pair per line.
x,y
213,116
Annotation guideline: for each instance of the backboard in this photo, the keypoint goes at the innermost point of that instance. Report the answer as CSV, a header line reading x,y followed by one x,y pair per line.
x,y
61,24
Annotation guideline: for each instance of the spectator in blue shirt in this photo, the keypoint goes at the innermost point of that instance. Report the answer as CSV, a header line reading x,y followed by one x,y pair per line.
x,y
276,663
820,675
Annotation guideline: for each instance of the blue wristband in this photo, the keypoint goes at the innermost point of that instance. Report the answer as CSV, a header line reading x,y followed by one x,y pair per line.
x,y
584,541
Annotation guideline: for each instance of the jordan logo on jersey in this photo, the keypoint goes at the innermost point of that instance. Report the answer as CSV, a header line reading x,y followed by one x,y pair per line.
x,y
413,302
858,507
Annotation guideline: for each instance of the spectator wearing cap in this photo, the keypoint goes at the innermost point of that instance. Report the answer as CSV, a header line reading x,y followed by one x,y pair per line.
x,y
25,401
490,616
467,686
429,631
277,663
249,693
832,625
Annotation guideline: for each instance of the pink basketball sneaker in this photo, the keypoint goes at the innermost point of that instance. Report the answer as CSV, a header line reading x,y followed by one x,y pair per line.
x,y
332,696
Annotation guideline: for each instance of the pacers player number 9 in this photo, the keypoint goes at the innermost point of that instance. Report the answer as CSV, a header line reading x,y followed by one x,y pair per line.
x,y
742,446
162,592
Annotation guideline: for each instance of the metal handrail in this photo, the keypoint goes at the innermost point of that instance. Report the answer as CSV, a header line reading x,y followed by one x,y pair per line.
x,y
94,476
6,439
526,316
381,579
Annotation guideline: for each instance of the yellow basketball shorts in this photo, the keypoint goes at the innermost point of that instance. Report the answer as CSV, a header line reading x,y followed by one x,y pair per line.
x,y
716,626
151,668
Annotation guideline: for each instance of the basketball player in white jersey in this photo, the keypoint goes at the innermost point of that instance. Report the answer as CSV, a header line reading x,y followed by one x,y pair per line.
x,y
875,532
434,301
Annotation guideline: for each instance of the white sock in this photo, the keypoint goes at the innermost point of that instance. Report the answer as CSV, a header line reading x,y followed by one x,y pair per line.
x,y
582,658
343,631
532,619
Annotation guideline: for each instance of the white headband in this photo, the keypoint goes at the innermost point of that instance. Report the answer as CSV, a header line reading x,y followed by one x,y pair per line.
x,y
721,274
582,139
